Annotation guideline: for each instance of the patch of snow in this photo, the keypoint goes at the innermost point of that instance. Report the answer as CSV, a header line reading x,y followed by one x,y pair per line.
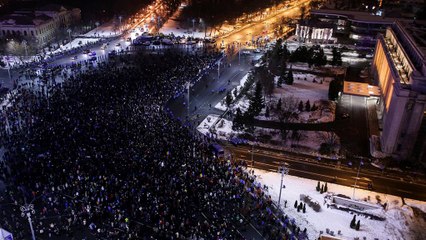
x,y
77,42
401,221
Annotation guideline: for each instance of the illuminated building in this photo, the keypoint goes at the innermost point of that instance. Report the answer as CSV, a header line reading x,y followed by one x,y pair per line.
x,y
399,67
40,24
362,27
314,31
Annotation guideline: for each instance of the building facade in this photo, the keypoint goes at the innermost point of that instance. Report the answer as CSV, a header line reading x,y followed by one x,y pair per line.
x,y
399,67
359,26
314,31
39,25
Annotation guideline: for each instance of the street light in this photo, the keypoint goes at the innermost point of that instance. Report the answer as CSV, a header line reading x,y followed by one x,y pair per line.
x,y
24,42
284,171
188,84
69,35
356,179
119,18
27,210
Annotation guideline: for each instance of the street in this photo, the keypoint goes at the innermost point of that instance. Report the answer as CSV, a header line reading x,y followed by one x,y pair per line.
x,y
309,167
204,95
263,28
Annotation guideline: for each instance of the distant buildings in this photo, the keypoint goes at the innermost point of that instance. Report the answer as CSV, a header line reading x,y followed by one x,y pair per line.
x,y
314,31
39,25
399,67
362,27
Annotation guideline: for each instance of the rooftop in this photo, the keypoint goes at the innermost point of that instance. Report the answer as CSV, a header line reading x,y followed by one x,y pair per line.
x,y
52,8
355,15
417,32
23,19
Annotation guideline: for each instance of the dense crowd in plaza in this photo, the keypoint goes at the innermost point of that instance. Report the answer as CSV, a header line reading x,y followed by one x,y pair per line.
x,y
102,158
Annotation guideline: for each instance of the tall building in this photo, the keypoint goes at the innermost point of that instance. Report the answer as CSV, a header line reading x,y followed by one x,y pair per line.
x,y
40,24
399,67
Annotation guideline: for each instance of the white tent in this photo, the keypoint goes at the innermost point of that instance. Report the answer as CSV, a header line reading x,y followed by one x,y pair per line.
x,y
5,235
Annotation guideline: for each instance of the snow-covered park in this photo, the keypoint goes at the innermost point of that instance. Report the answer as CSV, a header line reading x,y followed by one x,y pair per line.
x,y
401,221
306,87
308,142
77,42
175,26
105,30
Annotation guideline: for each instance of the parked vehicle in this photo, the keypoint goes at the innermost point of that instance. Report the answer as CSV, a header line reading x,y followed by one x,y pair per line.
x,y
217,150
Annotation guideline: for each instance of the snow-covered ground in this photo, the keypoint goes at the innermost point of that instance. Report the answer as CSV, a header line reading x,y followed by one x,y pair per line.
x,y
308,142
243,104
76,43
105,30
402,222
175,26
305,87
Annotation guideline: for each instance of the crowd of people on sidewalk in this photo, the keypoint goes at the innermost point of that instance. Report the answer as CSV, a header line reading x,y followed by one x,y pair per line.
x,y
100,158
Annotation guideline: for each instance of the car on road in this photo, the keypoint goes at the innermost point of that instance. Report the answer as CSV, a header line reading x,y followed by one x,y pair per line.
x,y
92,54
112,53
166,41
221,90
87,51
104,46
237,141
129,40
74,58
257,50
156,42
344,115
92,59
118,45
245,52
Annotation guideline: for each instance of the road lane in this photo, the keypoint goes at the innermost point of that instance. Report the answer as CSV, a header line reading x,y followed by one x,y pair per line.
x,y
317,171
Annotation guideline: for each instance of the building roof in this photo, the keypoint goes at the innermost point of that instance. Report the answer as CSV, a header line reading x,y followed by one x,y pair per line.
x,y
316,23
52,8
360,89
355,16
417,33
28,19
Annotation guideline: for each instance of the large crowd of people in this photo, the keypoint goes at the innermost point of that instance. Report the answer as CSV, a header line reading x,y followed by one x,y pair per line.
x,y
101,158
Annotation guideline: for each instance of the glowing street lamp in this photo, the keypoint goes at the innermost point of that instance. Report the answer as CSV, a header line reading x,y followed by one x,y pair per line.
x,y
26,211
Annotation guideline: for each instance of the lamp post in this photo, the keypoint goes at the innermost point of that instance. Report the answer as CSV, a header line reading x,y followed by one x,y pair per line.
x,y
8,68
69,35
24,42
188,84
26,211
218,69
284,170
119,18
356,179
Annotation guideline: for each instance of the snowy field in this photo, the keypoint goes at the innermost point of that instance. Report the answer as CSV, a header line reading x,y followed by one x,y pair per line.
x,y
75,43
308,142
305,87
173,25
243,104
105,30
402,221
